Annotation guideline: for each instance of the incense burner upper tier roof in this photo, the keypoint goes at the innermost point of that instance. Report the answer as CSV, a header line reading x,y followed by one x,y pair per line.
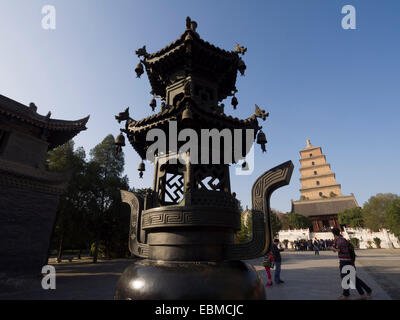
x,y
189,54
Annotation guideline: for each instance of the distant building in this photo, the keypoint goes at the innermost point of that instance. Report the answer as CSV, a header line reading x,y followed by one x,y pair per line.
x,y
321,196
28,192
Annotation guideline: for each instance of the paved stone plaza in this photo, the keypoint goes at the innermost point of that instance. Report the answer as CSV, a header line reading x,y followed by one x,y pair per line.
x,y
313,277
307,277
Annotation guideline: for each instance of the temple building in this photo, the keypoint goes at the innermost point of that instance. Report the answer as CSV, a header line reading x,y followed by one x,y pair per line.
x,y
321,196
28,192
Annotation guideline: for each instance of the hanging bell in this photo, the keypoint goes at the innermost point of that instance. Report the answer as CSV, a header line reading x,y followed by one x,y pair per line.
x,y
139,70
262,140
234,102
141,169
241,67
120,142
153,104
187,115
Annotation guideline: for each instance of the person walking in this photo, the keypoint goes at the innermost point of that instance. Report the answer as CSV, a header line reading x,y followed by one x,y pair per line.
x,y
268,265
276,252
347,257
316,247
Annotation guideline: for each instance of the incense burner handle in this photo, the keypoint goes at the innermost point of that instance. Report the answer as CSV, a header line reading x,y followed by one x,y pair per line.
x,y
262,190
136,247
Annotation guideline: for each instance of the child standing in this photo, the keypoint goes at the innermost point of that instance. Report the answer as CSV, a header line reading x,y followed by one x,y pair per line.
x,y
268,265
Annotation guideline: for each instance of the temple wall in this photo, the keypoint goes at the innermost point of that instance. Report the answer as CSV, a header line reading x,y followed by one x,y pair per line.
x,y
25,149
293,235
388,240
26,222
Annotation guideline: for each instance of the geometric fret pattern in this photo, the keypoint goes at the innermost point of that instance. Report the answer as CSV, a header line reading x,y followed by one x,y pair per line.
x,y
174,188
210,177
210,183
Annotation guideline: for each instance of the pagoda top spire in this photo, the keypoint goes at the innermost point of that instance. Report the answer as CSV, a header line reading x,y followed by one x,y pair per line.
x,y
309,145
191,57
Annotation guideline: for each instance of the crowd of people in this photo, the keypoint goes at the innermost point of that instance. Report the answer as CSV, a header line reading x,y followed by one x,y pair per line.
x,y
312,245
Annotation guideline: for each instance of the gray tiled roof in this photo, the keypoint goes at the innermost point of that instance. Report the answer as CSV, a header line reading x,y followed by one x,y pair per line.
x,y
324,206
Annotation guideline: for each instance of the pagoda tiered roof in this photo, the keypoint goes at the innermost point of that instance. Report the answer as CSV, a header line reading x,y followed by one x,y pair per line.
x,y
198,56
191,76
321,207
216,119
59,131
137,130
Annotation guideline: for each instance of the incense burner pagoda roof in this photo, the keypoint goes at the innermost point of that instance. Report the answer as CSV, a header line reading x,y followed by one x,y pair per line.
x,y
173,111
198,56
189,34
59,131
137,130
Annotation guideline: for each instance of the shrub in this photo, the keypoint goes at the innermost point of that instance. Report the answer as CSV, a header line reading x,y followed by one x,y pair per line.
x,y
101,250
355,242
369,244
377,242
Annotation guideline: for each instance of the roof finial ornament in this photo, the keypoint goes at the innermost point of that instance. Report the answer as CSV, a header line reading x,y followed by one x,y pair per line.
x,y
240,49
191,24
33,107
308,143
260,113
141,52
123,116
188,21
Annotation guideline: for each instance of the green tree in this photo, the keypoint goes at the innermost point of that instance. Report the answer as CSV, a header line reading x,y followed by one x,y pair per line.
x,y
142,192
115,231
70,229
374,210
392,217
105,180
243,234
276,224
298,221
283,220
351,217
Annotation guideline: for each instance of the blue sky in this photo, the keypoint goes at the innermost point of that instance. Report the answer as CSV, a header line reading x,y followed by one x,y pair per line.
x,y
340,88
